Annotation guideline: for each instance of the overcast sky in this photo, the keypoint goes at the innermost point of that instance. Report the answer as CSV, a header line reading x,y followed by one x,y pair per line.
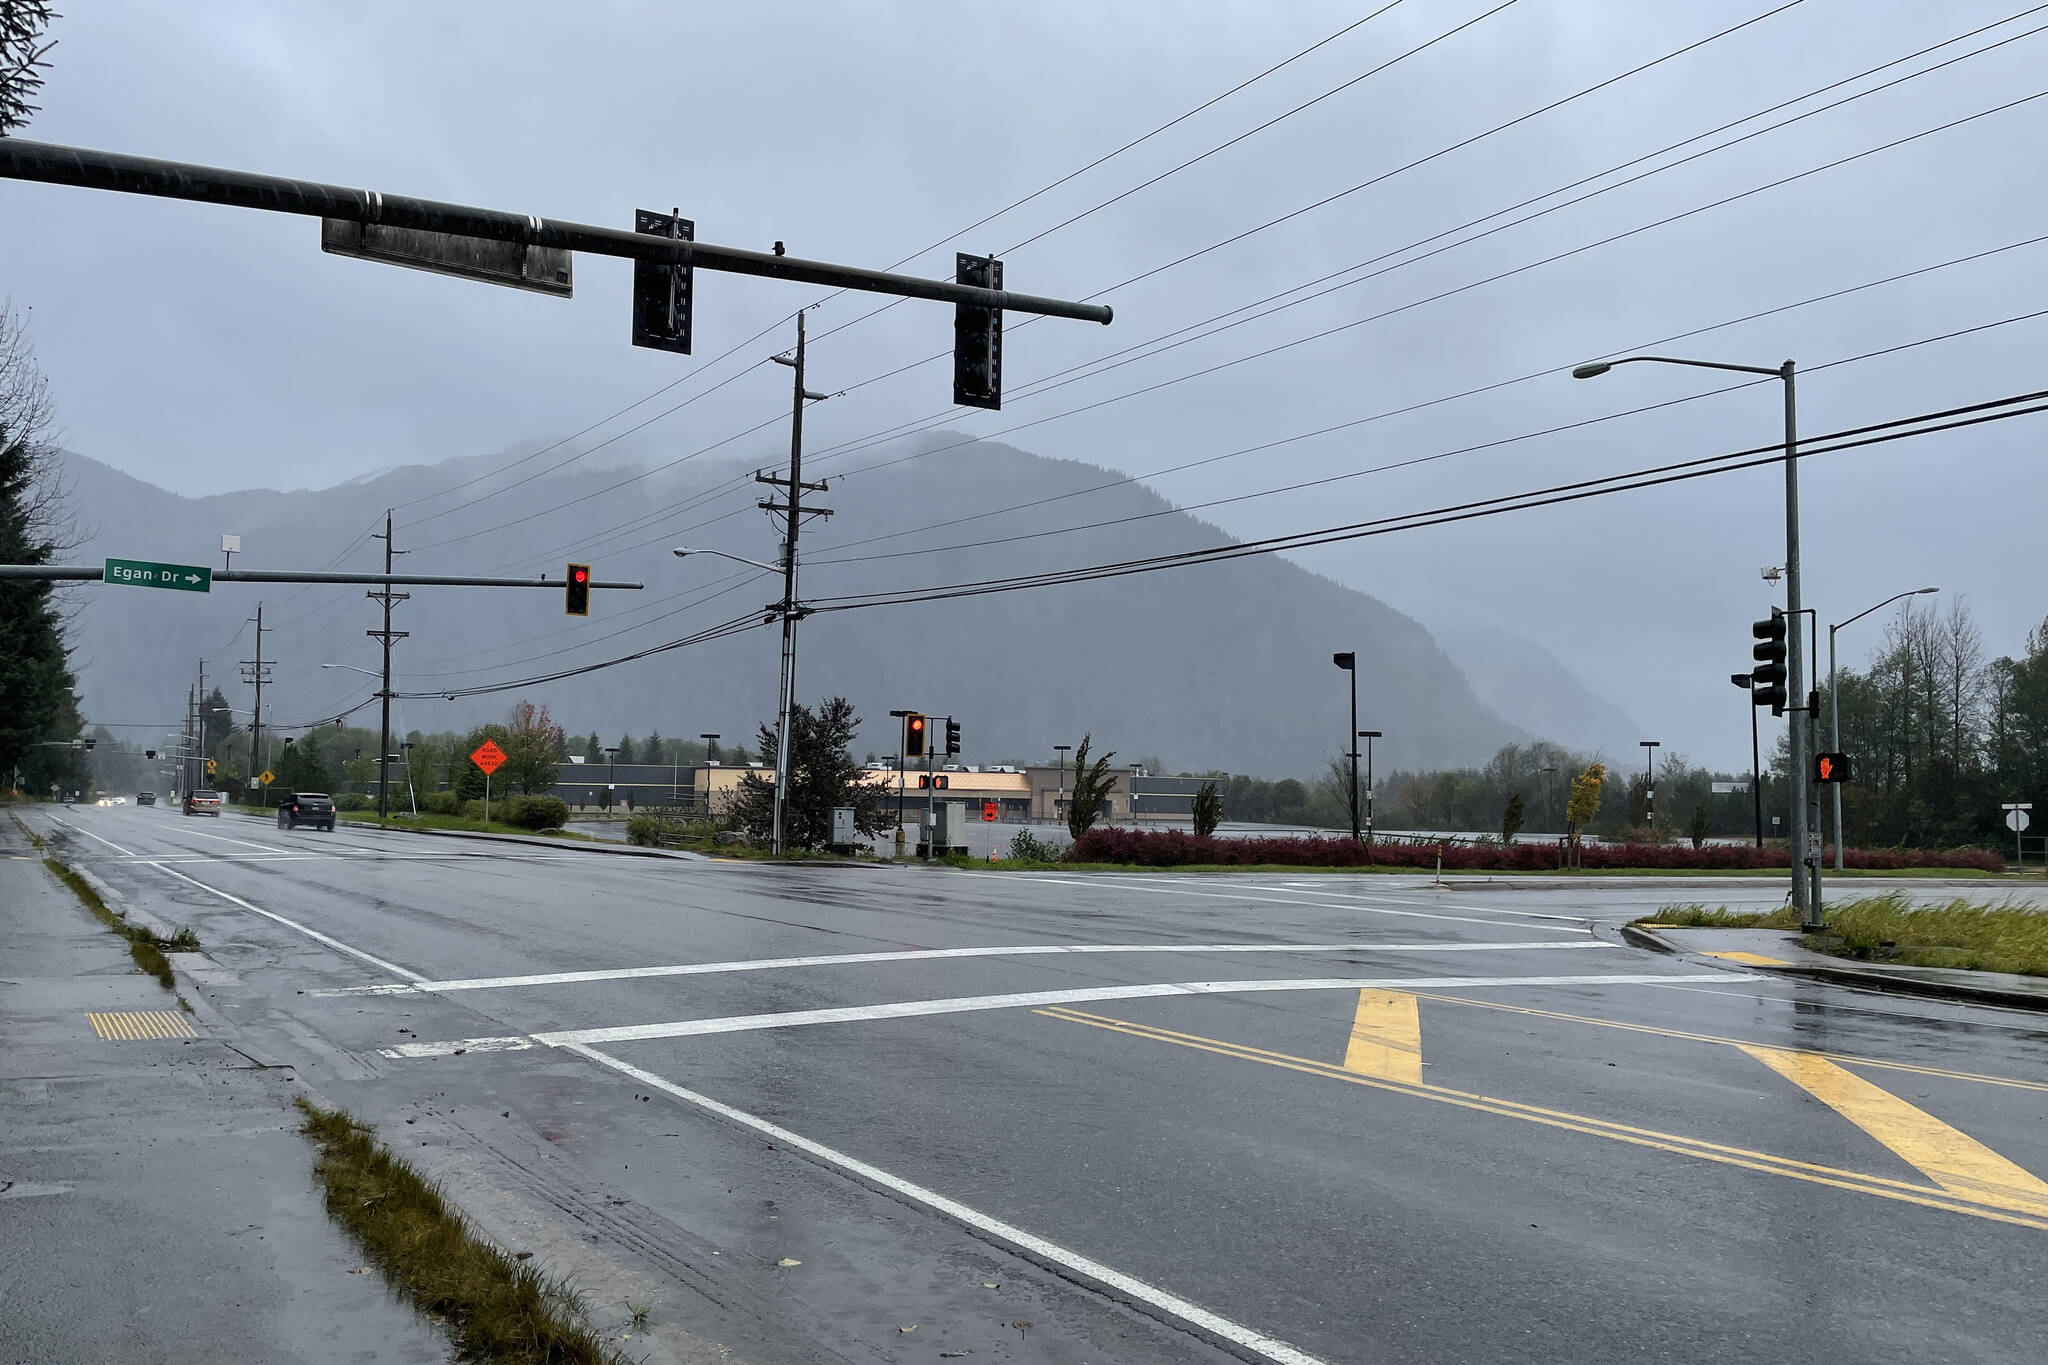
x,y
209,349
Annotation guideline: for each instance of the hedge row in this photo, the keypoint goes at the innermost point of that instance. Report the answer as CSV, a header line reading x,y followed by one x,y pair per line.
x,y
1172,848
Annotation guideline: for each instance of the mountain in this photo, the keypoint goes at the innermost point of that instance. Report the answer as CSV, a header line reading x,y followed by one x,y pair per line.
x,y
1534,689
1219,666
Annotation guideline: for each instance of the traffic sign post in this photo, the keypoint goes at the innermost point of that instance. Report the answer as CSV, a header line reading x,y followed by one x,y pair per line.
x,y
490,758
2016,820
143,573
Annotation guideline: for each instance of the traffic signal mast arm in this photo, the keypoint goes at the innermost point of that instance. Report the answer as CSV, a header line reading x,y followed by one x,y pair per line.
x,y
52,164
84,572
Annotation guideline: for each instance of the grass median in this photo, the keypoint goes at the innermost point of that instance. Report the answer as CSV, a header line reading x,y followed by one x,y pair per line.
x,y
1959,933
499,1309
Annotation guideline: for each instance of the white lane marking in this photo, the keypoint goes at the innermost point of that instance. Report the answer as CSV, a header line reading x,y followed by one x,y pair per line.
x,y
90,835
313,934
245,843
907,1009
449,1049
767,964
1250,1339
1403,900
1143,884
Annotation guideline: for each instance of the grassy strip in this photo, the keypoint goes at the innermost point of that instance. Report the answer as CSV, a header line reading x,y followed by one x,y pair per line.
x,y
1699,917
499,1309
1463,874
1891,929
143,946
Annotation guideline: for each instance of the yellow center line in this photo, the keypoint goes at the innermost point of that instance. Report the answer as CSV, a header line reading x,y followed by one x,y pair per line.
x,y
1951,1159
1853,1060
1858,1182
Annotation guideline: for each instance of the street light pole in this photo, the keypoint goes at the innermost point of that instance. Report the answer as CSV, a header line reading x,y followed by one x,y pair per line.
x,y
1348,661
1650,783
1835,700
1368,736
1062,750
1756,779
1805,859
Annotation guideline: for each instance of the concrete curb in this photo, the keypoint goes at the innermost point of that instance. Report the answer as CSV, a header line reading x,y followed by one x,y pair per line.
x,y
1860,978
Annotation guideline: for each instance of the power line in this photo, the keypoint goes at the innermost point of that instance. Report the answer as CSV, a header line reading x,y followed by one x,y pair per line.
x,y
1097,366
1543,497
1409,408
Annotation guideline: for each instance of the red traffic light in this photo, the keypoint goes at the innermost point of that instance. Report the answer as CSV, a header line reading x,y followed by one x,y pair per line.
x,y
582,575
576,590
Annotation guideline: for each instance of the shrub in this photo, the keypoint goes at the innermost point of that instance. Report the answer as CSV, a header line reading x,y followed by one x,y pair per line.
x,y
533,812
1172,848
441,803
643,830
352,801
1028,847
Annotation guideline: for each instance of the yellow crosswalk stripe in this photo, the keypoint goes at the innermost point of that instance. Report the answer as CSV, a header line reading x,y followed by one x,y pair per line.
x,y
1950,1158
1386,1037
128,1026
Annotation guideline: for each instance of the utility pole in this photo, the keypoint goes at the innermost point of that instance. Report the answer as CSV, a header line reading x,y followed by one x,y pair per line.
x,y
386,635
199,724
1805,808
793,512
255,674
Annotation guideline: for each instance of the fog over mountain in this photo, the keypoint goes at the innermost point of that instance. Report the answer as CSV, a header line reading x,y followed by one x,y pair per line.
x,y
1224,665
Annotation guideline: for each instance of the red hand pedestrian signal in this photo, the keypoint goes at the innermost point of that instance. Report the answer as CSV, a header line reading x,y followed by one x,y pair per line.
x,y
1831,767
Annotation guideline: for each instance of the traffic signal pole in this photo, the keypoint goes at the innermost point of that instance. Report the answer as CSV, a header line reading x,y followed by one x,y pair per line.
x,y
1805,810
387,635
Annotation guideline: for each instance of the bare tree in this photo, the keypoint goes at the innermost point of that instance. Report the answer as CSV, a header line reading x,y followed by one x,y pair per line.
x,y
1962,647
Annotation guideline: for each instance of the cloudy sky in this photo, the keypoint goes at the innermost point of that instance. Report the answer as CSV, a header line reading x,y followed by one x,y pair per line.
x,y
207,349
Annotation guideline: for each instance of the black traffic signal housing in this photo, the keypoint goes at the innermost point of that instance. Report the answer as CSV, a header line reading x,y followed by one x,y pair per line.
x,y
1768,679
914,734
576,590
978,337
952,737
662,292
1832,768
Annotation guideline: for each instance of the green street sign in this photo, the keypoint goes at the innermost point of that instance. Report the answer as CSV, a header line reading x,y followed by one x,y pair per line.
x,y
141,573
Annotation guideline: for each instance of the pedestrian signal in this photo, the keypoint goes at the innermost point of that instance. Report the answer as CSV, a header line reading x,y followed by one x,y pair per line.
x,y
1831,768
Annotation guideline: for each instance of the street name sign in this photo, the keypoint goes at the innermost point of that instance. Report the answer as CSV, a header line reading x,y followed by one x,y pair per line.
x,y
142,573
488,756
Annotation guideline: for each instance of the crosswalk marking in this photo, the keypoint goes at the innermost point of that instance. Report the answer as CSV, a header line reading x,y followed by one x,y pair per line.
x,y
1386,1037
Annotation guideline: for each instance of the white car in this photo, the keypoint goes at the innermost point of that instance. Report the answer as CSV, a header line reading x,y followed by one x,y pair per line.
x,y
120,800
106,803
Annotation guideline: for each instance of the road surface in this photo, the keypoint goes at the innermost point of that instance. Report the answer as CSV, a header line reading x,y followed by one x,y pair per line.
x,y
1147,1117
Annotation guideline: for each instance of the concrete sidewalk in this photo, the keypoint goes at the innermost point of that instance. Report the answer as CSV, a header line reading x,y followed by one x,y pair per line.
x,y
157,1203
1781,951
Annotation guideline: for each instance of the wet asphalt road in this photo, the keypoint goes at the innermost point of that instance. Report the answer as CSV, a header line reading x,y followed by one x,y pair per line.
x,y
1294,1118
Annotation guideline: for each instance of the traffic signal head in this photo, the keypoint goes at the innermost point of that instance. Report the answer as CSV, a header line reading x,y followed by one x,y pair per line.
x,y
576,590
1768,679
913,734
952,737
978,337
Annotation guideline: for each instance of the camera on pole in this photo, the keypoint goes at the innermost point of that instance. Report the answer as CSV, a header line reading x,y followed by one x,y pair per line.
x,y
1768,678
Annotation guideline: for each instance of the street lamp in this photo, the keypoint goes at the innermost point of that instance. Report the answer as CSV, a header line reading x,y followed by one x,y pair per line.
x,y
1835,700
1062,750
611,775
1805,860
1746,681
684,551
1650,783
1348,661
1368,736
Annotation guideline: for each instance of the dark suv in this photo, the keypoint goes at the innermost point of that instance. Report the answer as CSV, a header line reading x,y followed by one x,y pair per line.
x,y
307,808
145,798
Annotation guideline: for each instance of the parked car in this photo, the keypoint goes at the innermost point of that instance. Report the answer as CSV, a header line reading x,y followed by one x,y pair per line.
x,y
203,802
307,808
145,798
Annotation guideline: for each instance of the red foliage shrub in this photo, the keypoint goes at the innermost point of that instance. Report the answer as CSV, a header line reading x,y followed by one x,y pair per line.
x,y
1173,848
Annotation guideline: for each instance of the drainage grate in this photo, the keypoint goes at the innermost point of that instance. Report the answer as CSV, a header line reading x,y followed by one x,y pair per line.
x,y
133,1025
